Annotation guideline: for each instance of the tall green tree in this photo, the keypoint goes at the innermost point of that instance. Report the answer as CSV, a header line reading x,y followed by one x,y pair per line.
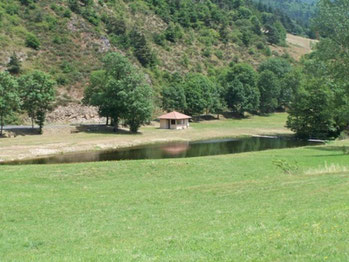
x,y
289,85
201,95
269,88
312,116
326,112
279,66
275,33
139,104
37,91
9,98
241,91
282,83
332,24
121,92
93,94
194,94
141,49
173,98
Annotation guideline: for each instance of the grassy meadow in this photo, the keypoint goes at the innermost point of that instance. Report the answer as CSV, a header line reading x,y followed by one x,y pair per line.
x,y
276,205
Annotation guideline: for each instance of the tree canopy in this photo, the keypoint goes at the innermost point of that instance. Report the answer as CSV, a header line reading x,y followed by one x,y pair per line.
x,y
326,99
120,92
9,99
241,89
37,93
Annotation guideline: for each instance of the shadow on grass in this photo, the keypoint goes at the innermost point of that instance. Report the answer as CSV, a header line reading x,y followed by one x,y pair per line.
x,y
335,150
21,131
102,129
226,115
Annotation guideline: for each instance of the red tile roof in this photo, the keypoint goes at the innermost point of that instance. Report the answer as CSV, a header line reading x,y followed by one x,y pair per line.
x,y
174,115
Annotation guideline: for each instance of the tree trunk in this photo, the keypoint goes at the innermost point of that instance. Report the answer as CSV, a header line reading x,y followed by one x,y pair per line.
x,y
107,123
32,122
116,124
2,124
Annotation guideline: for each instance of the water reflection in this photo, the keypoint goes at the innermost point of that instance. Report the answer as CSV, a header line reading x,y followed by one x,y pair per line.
x,y
175,150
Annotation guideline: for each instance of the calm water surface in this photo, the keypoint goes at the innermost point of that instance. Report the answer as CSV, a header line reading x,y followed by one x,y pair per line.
x,y
174,150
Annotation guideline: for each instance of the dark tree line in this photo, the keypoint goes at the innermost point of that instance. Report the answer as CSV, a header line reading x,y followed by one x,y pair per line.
x,y
238,88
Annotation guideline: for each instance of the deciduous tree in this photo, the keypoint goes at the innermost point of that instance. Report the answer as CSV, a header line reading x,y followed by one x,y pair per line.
x,y
37,91
242,93
121,92
269,88
9,98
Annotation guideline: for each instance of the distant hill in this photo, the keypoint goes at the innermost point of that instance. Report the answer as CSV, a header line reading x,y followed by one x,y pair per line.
x,y
299,10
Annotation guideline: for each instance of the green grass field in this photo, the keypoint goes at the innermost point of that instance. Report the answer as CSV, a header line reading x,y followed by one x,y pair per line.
x,y
223,208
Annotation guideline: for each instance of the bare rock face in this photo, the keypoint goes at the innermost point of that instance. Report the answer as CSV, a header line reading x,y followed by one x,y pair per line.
x,y
74,114
104,45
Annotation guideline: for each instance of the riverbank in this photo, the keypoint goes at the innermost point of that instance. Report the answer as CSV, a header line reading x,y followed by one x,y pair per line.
x,y
35,146
275,205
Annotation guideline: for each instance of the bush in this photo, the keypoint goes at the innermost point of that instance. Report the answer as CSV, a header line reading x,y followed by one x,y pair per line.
x,y
74,6
121,41
32,41
219,54
67,13
206,52
90,15
28,2
159,39
268,51
260,46
116,26
11,9
173,33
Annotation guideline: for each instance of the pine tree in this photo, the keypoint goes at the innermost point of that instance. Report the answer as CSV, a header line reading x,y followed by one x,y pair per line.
x,y
14,66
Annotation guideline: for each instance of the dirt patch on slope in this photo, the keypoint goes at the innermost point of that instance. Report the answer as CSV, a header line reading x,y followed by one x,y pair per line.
x,y
298,46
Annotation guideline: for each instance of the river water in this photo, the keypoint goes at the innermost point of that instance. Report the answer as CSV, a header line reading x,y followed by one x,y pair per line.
x,y
174,150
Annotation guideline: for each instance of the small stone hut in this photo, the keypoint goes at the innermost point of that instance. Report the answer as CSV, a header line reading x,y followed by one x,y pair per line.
x,y
174,120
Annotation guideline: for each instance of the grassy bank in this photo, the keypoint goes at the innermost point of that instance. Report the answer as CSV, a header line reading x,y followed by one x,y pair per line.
x,y
32,146
223,208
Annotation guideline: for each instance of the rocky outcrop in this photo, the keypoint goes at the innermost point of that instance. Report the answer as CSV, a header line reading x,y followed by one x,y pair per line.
x,y
74,114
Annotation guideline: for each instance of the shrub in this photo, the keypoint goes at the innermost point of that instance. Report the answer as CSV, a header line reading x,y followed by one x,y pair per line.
x,y
28,2
74,6
173,33
260,46
67,13
11,9
219,54
288,168
116,26
268,51
32,41
159,39
206,52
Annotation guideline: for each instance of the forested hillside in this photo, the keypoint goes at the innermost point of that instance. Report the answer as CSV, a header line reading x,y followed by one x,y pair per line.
x,y
300,10
67,39
192,56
